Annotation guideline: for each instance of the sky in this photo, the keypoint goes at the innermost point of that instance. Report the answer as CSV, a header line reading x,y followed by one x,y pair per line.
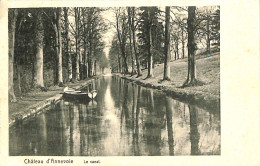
x,y
108,36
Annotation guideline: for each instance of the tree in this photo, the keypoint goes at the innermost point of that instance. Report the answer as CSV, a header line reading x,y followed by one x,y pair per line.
x,y
85,42
114,55
133,28
93,28
179,29
130,38
103,62
149,45
176,38
58,45
215,34
150,36
68,46
90,40
121,27
191,78
60,78
77,31
12,14
207,26
183,38
166,74
38,76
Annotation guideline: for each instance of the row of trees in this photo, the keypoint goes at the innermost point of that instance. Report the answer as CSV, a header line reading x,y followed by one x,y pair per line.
x,y
148,35
50,46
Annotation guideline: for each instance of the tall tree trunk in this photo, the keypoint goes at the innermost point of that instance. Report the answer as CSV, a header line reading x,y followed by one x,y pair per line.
x,y
124,58
177,48
208,36
85,69
12,14
19,69
130,39
149,46
90,50
139,71
77,66
183,42
122,42
80,66
90,68
191,78
56,48
175,52
167,73
192,44
68,43
77,41
38,63
119,63
60,78
95,67
90,61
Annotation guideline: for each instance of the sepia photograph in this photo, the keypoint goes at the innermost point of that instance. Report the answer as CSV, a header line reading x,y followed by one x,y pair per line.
x,y
115,81
128,82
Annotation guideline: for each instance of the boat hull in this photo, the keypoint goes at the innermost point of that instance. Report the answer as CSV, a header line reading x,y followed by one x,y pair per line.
x,y
78,96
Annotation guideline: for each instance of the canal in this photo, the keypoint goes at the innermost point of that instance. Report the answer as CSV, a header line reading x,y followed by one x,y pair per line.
x,y
124,120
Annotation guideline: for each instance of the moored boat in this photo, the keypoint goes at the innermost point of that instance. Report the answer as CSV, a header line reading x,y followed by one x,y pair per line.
x,y
78,95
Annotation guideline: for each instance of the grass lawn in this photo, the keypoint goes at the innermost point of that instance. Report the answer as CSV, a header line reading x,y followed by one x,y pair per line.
x,y
207,71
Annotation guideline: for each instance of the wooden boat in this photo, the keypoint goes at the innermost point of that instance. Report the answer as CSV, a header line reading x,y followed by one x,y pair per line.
x,y
78,95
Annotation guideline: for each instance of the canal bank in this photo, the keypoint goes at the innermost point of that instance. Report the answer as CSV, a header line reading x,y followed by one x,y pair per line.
x,y
34,102
208,71
134,120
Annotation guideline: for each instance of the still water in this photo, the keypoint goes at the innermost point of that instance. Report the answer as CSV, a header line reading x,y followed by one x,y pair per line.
x,y
124,120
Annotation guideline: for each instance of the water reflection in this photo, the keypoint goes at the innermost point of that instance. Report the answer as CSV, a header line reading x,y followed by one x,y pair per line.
x,y
126,119
169,125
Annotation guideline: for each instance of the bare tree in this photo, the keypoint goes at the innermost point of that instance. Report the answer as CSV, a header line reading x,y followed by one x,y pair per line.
x,y
130,38
166,74
133,28
121,27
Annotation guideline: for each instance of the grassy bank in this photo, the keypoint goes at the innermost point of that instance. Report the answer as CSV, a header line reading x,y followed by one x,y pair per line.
x,y
34,101
208,71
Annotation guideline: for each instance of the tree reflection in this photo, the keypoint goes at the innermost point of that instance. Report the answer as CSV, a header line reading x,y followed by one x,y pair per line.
x,y
71,117
125,109
169,125
194,134
81,129
135,119
152,126
125,119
